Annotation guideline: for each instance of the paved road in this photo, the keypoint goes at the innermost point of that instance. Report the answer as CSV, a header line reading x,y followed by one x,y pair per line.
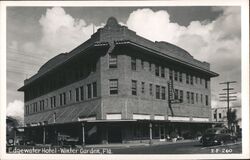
x,y
181,148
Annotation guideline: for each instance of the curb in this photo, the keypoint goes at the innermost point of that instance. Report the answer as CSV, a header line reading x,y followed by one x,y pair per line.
x,y
137,145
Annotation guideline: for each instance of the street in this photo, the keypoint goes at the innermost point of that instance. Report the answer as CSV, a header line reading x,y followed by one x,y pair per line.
x,y
181,148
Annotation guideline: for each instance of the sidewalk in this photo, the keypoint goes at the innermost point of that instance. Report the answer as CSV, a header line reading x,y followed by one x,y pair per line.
x,y
131,145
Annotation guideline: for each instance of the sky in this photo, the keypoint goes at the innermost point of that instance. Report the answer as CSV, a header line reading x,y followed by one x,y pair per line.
x,y
36,34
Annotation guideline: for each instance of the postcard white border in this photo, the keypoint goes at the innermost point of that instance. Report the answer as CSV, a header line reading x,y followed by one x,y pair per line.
x,y
244,4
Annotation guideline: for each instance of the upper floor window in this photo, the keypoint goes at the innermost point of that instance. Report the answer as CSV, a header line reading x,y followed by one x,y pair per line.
x,y
62,99
206,100
94,89
197,98
196,80
188,97
219,115
151,89
191,80
170,74
142,87
192,97
150,66
41,105
70,95
163,93
157,92
133,63
201,98
113,86
180,76
157,70
89,89
206,83
35,107
82,93
176,92
142,64
112,61
200,80
134,87
215,116
77,94
187,78
53,101
27,109
181,95
175,75
162,72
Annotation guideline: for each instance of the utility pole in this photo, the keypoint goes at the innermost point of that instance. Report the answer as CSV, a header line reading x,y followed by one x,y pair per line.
x,y
228,97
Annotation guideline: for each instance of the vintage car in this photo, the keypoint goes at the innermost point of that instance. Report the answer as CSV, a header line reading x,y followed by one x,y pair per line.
x,y
217,136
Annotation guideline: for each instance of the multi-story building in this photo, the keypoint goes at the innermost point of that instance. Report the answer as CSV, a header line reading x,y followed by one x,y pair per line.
x,y
219,114
118,87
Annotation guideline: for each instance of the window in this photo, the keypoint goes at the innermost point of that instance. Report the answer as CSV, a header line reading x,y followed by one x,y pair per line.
x,y
151,89
206,100
196,80
89,91
181,95
187,78
134,87
219,115
201,98
41,105
35,107
142,87
197,97
200,80
175,75
191,80
180,76
157,92
113,86
70,95
170,74
82,93
112,61
53,101
176,94
133,63
61,99
142,64
206,82
162,72
163,93
215,116
94,89
192,97
188,97
150,66
157,68
27,109
77,94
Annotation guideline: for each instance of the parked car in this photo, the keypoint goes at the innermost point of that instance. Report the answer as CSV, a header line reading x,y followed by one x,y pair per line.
x,y
217,136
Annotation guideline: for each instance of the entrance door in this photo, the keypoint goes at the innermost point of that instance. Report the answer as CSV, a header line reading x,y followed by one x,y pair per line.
x,y
162,133
114,134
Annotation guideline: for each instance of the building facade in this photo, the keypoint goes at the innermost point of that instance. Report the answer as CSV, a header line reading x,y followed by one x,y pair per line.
x,y
219,114
118,87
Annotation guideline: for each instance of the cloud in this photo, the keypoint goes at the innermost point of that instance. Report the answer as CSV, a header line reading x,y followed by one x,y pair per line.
x,y
60,33
217,42
15,109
